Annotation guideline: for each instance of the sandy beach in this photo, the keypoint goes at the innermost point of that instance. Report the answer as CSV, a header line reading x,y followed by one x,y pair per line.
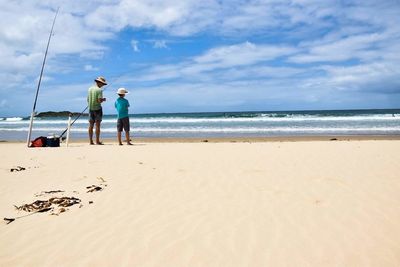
x,y
244,203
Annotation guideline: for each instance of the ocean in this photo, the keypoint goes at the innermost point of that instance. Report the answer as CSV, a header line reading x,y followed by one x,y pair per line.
x,y
220,124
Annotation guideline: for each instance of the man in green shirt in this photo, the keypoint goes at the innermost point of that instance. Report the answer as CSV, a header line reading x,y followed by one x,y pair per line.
x,y
94,99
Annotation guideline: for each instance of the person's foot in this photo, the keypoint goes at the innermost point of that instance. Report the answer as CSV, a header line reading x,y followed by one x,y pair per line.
x,y
120,144
99,143
129,144
91,143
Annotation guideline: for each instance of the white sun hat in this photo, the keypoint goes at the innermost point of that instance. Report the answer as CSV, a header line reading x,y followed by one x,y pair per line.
x,y
122,91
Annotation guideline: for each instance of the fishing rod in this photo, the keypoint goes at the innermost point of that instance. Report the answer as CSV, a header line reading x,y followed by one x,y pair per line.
x,y
80,114
61,135
40,80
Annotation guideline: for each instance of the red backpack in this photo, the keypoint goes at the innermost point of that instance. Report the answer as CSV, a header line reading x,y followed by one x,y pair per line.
x,y
39,142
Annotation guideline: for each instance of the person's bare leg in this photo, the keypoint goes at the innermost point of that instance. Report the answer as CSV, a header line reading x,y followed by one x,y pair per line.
x,y
90,130
98,132
119,138
128,140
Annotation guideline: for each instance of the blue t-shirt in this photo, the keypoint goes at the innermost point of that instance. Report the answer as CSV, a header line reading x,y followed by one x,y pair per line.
x,y
122,105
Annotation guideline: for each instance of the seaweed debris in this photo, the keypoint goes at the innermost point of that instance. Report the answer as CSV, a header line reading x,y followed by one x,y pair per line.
x,y
93,188
17,169
46,205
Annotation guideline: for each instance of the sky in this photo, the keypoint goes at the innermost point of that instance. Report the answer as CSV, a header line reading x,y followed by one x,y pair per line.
x,y
201,56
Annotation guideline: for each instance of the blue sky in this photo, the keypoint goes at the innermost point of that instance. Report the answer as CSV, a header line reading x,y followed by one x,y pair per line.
x,y
198,56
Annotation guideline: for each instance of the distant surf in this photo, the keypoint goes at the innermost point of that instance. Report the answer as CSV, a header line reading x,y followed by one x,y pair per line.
x,y
222,124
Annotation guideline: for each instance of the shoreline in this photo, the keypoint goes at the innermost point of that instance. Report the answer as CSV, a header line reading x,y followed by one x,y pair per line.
x,y
237,139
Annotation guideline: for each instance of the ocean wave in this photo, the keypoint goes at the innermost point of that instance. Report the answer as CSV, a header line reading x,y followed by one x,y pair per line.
x,y
224,130
182,120
264,130
12,119
263,119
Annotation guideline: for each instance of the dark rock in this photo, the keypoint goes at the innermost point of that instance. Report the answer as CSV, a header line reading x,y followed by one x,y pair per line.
x,y
58,114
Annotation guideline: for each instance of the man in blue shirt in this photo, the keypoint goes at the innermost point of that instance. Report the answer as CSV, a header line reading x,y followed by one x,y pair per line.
x,y
122,105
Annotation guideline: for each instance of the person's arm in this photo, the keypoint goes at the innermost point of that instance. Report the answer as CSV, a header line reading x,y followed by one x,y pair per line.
x,y
100,98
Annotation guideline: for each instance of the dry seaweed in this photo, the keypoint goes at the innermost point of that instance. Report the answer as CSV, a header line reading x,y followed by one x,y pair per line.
x,y
17,169
45,205
93,188
39,206
9,220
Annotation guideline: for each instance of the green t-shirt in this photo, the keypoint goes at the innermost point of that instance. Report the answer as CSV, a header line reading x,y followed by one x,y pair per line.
x,y
94,94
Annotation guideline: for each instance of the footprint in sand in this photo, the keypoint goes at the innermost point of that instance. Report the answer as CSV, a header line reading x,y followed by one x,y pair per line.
x,y
101,179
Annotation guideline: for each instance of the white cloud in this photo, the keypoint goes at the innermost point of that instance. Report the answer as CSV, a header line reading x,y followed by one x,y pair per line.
x,y
227,58
95,55
243,54
378,77
135,45
353,47
160,44
135,14
90,68
305,39
24,31
177,17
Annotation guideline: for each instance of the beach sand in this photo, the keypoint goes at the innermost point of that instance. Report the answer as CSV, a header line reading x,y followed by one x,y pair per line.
x,y
304,203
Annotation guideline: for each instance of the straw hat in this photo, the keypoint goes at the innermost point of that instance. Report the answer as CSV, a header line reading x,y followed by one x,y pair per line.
x,y
101,79
122,91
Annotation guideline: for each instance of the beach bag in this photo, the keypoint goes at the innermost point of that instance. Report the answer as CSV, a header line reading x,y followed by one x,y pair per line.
x,y
52,141
39,142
